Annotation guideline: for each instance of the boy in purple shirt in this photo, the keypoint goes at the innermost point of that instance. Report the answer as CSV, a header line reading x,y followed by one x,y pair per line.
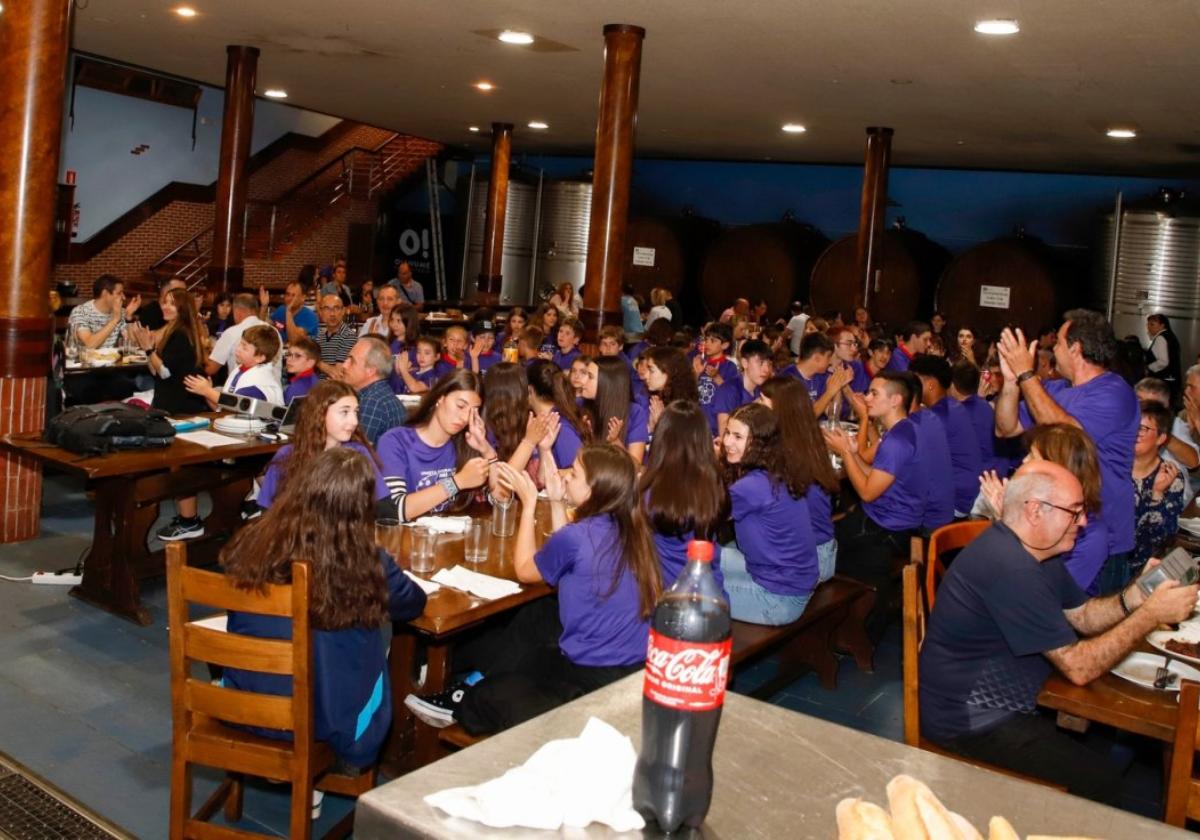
x,y
569,333
482,354
934,373
713,368
913,340
813,369
757,368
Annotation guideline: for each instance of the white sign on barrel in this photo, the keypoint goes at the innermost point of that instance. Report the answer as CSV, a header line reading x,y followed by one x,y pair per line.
x,y
643,256
994,297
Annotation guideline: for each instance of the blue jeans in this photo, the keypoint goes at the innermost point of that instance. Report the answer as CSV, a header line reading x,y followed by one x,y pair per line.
x,y
750,602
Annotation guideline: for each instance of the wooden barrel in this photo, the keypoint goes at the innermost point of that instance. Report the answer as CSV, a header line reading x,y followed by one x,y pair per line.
x,y
768,262
994,284
667,252
909,271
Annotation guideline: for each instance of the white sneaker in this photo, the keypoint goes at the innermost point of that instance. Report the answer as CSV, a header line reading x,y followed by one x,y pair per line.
x,y
317,798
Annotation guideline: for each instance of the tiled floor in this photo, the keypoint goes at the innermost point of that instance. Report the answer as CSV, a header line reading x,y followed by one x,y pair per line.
x,y
85,698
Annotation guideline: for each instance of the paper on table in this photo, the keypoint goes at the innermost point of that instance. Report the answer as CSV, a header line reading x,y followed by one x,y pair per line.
x,y
427,586
443,524
571,782
207,439
485,586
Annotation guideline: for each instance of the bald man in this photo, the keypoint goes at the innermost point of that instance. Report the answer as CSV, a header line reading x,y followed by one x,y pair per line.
x,y
1007,614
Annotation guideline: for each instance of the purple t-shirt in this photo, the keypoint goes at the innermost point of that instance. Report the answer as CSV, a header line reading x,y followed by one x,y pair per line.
x,y
566,445
1107,409
268,488
983,420
1085,560
730,397
299,386
728,372
599,629
564,360
672,557
820,513
637,428
774,533
899,507
815,386
964,451
486,360
938,475
899,361
410,464
862,380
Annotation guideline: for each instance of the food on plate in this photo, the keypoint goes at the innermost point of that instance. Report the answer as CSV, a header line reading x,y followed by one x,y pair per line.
x,y
1183,648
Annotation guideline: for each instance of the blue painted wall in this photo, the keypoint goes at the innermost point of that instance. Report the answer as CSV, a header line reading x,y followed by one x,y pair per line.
x,y
107,126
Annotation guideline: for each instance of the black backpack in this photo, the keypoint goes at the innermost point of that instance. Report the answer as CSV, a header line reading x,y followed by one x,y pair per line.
x,y
100,428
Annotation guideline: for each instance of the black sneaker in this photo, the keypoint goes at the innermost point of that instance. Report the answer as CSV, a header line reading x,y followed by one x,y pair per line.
x,y
437,710
251,510
181,529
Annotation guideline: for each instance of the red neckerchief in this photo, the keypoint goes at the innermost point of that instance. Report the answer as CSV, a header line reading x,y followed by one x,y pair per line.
x,y
450,360
304,373
714,360
904,350
244,368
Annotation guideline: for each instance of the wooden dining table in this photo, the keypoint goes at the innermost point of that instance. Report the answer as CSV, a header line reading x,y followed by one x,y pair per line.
x,y
430,639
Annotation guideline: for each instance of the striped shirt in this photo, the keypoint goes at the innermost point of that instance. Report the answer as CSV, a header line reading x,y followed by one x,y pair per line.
x,y
86,316
336,346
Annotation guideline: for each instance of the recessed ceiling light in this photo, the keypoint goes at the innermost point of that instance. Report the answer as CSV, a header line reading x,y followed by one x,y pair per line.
x,y
1121,133
511,36
999,26
538,125
794,128
275,93
474,129
185,11
485,86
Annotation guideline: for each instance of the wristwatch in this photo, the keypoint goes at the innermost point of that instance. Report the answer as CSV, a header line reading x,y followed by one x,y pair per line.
x,y
449,485
1022,378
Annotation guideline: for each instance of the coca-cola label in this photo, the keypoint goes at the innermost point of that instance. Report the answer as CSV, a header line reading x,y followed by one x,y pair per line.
x,y
686,675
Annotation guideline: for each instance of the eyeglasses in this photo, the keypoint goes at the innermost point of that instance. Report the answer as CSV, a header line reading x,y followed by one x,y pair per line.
x,y
854,342
1073,512
1148,430
331,308
297,356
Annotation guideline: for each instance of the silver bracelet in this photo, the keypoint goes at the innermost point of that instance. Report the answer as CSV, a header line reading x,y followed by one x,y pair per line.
x,y
449,485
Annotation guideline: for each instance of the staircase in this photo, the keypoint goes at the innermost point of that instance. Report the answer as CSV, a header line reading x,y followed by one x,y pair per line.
x,y
273,228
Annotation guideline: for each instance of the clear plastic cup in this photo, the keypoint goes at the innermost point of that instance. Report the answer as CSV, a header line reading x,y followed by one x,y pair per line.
x,y
476,539
422,549
504,518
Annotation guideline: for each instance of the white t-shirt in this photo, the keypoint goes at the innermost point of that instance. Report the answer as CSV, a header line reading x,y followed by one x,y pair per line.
x,y
657,312
222,352
796,328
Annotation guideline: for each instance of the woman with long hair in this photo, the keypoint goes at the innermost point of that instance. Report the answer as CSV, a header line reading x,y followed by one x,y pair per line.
x,y
965,346
404,328
513,430
614,415
328,419
547,319
550,394
668,377
807,456
682,491
566,300
221,317
514,323
178,352
441,451
326,518
772,571
606,574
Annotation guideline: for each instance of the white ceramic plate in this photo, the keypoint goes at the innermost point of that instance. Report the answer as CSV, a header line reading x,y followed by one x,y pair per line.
x,y
1140,668
1192,526
1187,632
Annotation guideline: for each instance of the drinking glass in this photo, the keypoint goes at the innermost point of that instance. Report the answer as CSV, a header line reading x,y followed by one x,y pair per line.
x,y
477,535
504,517
71,345
422,549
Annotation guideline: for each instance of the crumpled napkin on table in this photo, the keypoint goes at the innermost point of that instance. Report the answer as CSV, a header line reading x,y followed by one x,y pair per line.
x,y
443,524
569,782
477,583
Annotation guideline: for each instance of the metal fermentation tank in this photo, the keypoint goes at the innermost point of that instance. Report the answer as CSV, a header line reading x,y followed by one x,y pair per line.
x,y
520,225
566,211
1152,264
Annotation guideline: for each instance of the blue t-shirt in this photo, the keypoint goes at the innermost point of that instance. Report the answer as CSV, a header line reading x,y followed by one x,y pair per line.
x,y
564,360
964,451
730,397
899,508
300,385
410,464
305,319
937,473
998,610
602,626
815,386
268,487
820,513
775,534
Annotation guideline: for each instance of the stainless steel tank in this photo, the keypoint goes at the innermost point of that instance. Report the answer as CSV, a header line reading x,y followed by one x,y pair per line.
x,y
1152,264
516,262
562,237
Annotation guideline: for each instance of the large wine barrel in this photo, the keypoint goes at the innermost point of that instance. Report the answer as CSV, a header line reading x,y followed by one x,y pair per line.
x,y
768,262
994,284
908,273
667,252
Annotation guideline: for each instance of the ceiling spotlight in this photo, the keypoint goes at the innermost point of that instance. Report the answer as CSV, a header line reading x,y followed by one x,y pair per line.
x,y
997,27
794,128
275,93
1121,133
538,125
474,129
484,86
511,36
185,11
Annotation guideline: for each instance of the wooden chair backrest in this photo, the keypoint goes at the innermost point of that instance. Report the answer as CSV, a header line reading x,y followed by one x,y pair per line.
x,y
948,538
914,634
1183,789
191,697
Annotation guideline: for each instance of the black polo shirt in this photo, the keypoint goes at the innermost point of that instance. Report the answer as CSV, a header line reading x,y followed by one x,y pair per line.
x,y
997,611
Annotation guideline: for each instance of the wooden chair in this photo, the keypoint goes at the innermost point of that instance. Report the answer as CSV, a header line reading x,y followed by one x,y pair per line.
x,y
200,709
948,538
1182,786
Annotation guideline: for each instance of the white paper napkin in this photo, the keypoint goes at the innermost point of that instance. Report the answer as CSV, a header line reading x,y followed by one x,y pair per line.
x,y
569,782
477,583
427,586
443,524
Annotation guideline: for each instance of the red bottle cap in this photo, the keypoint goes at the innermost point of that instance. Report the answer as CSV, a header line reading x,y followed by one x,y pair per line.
x,y
701,550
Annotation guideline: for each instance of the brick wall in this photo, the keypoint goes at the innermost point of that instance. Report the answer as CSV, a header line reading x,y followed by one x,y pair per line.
x,y
319,247
294,165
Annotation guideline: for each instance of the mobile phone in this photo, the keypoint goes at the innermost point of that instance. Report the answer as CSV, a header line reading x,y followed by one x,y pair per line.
x,y
1178,565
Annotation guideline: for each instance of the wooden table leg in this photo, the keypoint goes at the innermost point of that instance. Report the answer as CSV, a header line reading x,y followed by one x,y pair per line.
x,y
851,634
414,744
118,551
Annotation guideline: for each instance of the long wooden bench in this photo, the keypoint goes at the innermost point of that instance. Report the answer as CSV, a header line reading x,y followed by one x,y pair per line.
x,y
834,617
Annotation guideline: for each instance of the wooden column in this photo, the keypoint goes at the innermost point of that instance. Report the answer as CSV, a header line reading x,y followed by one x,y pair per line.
x,y
226,269
872,212
610,180
32,82
494,212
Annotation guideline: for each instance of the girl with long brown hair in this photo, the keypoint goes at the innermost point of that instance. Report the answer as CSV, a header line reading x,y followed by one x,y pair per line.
x,y
328,419
681,488
668,376
613,413
177,352
512,429
326,518
772,571
550,394
606,574
441,451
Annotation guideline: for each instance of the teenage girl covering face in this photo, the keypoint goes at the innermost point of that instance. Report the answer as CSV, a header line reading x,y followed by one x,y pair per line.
x,y
615,416
550,394
441,452
668,376
326,516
